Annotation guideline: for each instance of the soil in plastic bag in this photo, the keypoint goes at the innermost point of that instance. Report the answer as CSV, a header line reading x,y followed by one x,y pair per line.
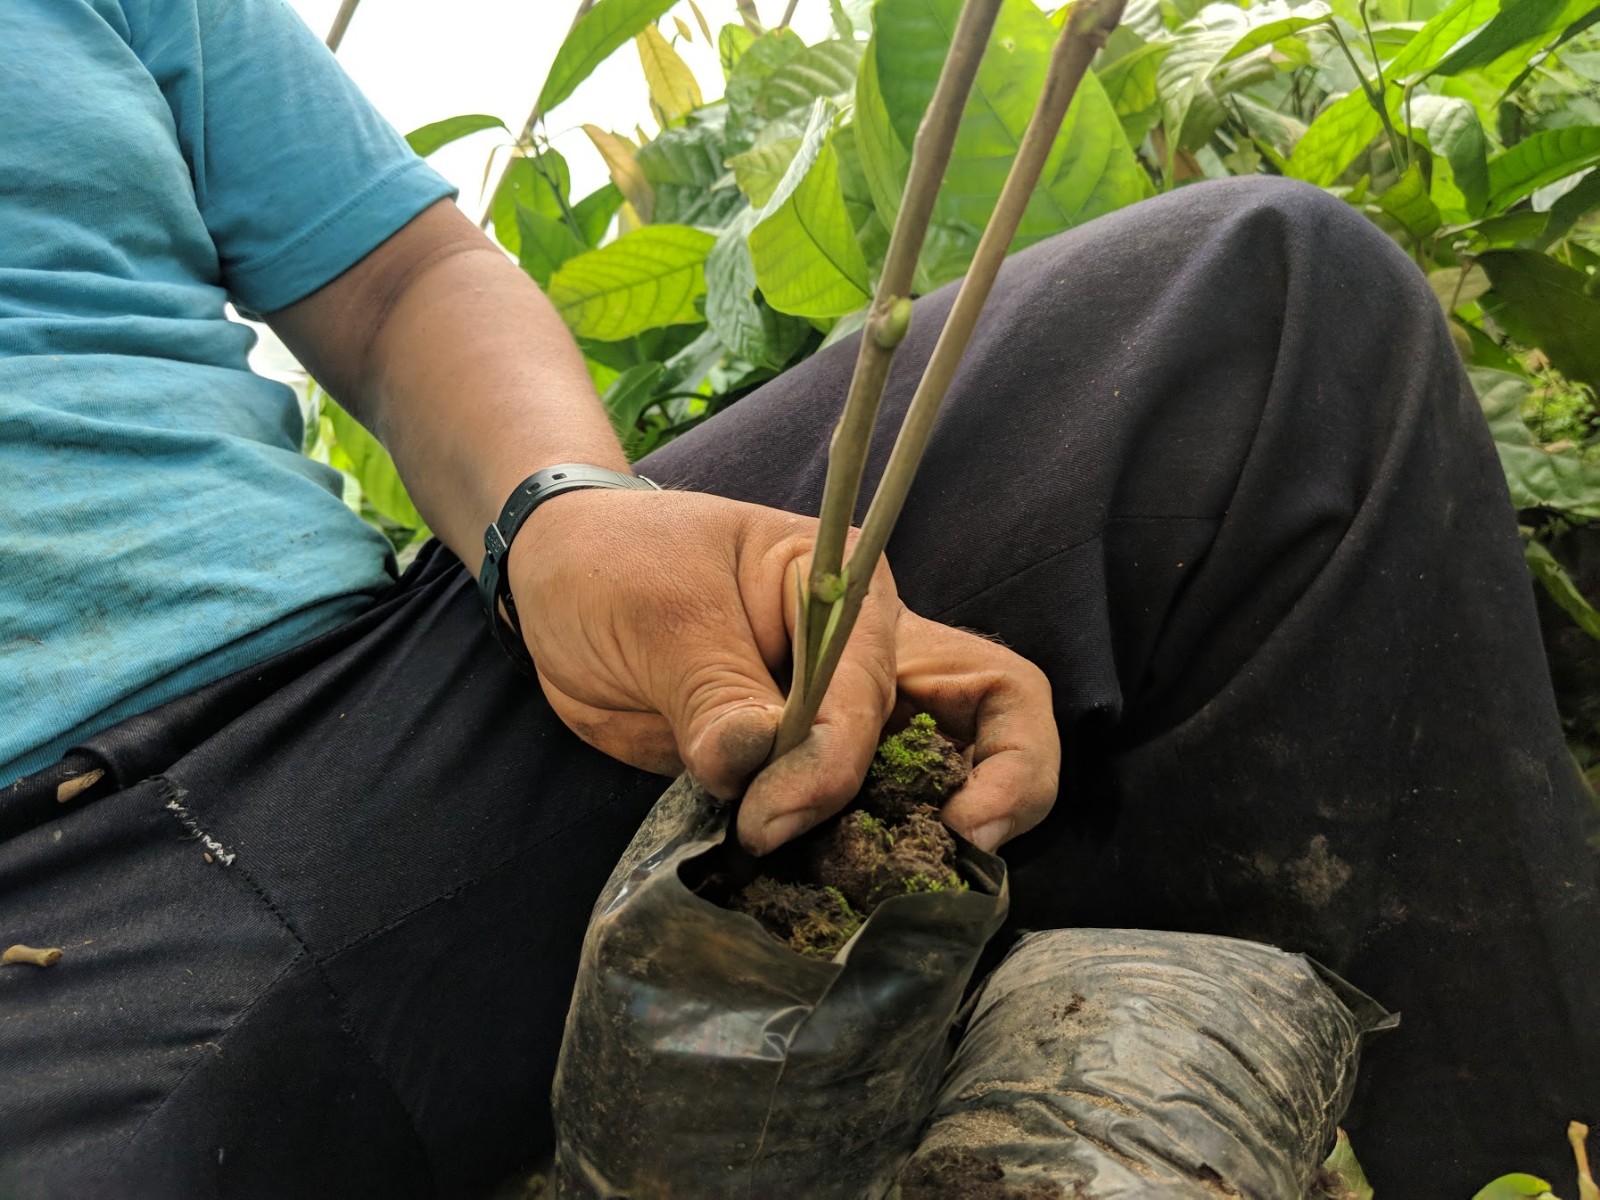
x,y
791,1049
1113,1064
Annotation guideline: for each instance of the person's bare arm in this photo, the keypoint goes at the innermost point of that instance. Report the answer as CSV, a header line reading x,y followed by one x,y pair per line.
x,y
656,620
457,362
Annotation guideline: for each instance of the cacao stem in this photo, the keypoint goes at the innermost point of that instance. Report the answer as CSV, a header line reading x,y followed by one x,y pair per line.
x,y
885,325
1086,30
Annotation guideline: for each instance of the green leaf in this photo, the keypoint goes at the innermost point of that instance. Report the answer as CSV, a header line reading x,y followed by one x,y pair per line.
x,y
826,71
807,260
372,467
1130,85
1451,130
1341,131
759,169
1409,204
684,167
1543,303
544,244
594,212
759,61
1561,588
1091,169
597,35
629,395
750,328
1569,209
428,138
732,42
538,183
643,280
841,19
1516,1187
1538,478
884,160
1543,158
674,93
1441,32
1517,22
1220,34
1342,1162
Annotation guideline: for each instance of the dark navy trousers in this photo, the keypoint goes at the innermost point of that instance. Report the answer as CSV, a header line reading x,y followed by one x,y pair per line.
x,y
1211,462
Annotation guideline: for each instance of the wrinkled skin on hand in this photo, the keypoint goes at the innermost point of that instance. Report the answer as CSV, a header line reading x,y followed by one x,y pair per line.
x,y
658,620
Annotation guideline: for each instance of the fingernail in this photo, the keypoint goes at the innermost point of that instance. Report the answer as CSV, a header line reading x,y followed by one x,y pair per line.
x,y
987,837
780,829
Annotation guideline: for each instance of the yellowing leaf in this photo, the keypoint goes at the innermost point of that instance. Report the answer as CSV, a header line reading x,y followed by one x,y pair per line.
x,y
625,173
673,90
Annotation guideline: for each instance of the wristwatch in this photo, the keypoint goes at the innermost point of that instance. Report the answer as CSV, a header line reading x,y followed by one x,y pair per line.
x,y
494,588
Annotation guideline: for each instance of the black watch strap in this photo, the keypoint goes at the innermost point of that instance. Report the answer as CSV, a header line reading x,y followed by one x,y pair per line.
x,y
494,588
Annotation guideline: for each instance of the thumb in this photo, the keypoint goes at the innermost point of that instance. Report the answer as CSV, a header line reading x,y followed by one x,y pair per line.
x,y
727,722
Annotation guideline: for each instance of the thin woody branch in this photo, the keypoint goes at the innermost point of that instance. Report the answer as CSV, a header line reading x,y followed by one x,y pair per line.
x,y
885,327
1087,27
525,138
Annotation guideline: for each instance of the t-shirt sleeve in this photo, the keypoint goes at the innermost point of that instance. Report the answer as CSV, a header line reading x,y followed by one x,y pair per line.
x,y
295,174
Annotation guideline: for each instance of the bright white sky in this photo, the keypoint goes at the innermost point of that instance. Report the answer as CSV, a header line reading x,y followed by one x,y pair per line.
x,y
423,60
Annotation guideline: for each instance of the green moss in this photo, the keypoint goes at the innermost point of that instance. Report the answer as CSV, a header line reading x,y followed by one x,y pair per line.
x,y
823,934
923,882
913,753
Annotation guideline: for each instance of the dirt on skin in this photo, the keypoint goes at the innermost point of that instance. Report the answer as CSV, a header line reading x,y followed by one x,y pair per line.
x,y
814,893
950,1174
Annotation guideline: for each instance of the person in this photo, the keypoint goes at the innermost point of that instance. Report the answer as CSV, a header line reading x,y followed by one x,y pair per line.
x,y
320,858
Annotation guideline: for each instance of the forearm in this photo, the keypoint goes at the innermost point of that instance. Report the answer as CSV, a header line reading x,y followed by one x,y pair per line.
x,y
459,364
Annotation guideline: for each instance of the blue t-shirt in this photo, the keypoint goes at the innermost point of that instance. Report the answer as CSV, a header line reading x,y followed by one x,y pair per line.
x,y
158,525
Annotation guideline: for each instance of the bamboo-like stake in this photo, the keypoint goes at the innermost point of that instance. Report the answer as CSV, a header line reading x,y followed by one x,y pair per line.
x,y
1087,27
341,22
886,325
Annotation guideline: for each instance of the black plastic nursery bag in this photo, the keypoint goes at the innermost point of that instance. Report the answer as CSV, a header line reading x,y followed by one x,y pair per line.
x,y
705,1059
1113,1064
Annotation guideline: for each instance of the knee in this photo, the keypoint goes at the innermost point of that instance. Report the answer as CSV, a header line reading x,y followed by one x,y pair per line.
x,y
1303,232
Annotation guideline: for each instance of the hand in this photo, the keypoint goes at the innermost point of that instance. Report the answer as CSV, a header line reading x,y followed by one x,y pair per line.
x,y
657,621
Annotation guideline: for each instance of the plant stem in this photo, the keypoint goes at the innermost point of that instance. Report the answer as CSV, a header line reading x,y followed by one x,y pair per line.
x,y
1088,26
788,13
747,12
1378,100
341,22
1086,30
847,453
525,138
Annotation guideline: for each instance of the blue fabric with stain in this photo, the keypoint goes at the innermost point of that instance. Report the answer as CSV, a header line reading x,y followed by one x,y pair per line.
x,y
158,526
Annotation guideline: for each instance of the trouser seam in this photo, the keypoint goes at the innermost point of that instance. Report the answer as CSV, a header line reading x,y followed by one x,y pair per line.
x,y
173,795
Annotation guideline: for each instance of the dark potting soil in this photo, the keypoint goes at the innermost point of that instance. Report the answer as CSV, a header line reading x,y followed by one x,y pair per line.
x,y
951,1174
815,892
